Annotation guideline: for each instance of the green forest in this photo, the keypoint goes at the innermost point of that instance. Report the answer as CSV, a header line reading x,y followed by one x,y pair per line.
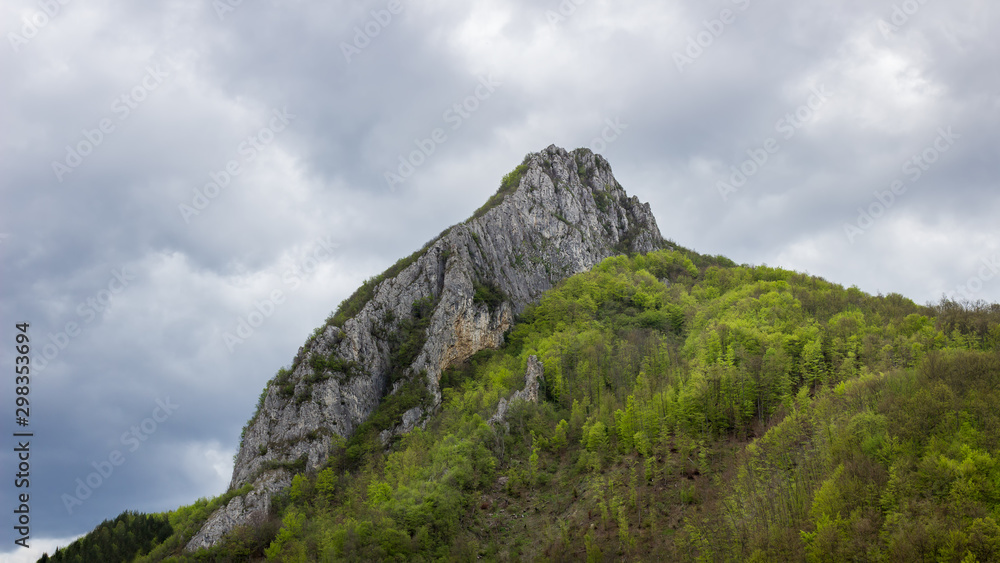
x,y
692,410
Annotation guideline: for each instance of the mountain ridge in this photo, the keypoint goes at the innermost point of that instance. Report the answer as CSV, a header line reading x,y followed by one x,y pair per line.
x,y
558,213
659,406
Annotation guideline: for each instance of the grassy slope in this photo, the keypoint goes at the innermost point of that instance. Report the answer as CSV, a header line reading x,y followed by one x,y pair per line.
x,y
732,414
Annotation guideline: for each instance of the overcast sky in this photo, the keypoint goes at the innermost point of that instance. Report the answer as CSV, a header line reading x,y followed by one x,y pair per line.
x,y
167,170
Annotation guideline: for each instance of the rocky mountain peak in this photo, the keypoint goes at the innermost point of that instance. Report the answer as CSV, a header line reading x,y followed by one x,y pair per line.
x,y
558,213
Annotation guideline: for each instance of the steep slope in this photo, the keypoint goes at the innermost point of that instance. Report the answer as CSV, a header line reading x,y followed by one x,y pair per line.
x,y
557,214
665,407
676,407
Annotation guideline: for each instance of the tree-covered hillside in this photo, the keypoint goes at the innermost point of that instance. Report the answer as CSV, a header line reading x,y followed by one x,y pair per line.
x,y
692,410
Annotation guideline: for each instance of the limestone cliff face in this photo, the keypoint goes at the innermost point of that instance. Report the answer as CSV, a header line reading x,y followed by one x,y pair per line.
x,y
566,214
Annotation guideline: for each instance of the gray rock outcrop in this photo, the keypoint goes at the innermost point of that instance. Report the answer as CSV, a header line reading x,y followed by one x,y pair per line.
x,y
533,379
560,213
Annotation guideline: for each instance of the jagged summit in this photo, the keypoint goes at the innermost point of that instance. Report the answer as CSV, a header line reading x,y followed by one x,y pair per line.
x,y
557,214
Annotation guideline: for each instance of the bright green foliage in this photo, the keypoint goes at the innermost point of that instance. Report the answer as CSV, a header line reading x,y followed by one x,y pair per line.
x,y
283,545
326,484
559,437
899,466
597,438
693,410
813,364
299,488
379,492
